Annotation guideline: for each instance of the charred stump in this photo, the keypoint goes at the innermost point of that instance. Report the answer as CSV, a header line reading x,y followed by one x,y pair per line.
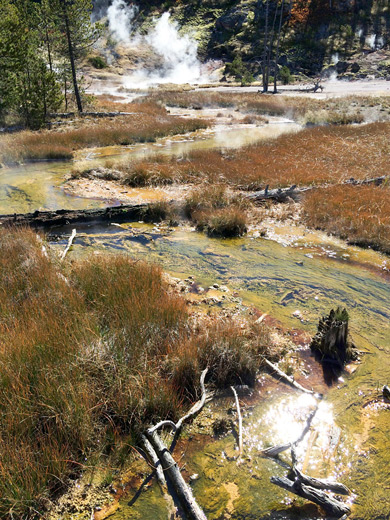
x,y
332,343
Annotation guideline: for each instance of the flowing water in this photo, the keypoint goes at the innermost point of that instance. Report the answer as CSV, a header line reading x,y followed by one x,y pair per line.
x,y
349,437
295,280
39,186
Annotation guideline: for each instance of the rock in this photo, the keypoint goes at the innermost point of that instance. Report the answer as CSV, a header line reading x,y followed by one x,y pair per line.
x,y
215,286
297,314
386,392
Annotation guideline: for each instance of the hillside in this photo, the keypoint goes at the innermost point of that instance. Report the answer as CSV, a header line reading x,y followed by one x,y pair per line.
x,y
343,36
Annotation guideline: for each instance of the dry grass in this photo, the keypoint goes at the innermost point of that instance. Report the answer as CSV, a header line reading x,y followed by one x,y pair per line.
x,y
359,214
90,351
217,211
147,122
343,110
313,156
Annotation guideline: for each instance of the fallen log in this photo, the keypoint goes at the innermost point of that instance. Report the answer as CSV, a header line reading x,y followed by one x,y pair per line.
x,y
274,451
287,378
62,217
168,464
173,474
324,484
153,458
332,506
279,195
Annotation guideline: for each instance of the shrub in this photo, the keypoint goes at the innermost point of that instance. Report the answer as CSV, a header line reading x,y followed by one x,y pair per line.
x,y
285,75
98,62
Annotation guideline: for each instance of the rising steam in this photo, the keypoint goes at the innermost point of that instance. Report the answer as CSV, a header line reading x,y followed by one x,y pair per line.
x,y
178,54
120,17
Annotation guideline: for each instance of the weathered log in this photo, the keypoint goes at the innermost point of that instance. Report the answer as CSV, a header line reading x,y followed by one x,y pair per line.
x,y
193,412
332,343
172,472
66,115
70,242
152,455
62,217
330,505
335,487
279,195
287,378
166,461
240,447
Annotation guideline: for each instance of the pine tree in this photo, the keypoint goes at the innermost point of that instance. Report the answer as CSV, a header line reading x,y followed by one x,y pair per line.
x,y
27,86
78,34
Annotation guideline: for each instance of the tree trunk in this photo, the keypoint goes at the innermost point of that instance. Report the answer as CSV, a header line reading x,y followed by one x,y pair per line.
x,y
277,48
265,75
332,343
71,58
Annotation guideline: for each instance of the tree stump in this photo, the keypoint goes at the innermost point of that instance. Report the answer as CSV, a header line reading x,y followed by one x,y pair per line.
x,y
332,343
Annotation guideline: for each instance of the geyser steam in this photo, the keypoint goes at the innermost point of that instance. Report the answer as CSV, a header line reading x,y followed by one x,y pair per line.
x,y
120,17
178,53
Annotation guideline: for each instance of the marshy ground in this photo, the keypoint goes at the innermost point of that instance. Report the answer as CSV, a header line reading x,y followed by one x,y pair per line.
x,y
96,347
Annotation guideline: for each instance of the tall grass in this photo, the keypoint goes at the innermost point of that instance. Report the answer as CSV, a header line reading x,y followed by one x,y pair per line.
x,y
90,351
147,122
313,156
359,214
342,110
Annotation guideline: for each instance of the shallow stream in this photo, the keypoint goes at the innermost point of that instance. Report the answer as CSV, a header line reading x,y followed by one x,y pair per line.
x,y
39,186
349,438
294,280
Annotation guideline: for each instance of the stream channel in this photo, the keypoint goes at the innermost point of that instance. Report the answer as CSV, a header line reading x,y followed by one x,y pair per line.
x,y
292,270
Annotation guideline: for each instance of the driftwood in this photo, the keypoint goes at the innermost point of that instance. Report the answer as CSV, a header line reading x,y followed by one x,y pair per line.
x,y
335,487
287,378
274,451
174,476
163,457
278,195
70,242
240,447
67,115
295,193
153,458
330,505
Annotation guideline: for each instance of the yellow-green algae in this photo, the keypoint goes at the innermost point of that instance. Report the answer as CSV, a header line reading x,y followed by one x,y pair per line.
x,y
352,439
38,186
